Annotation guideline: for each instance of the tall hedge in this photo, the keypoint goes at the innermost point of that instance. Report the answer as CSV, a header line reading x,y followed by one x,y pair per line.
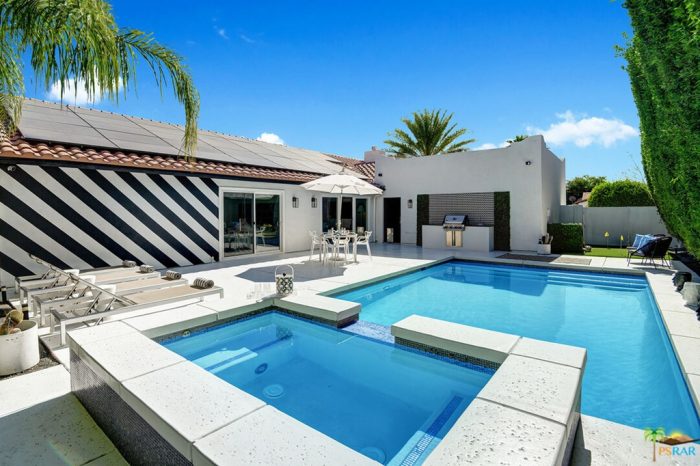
x,y
422,216
501,221
568,237
663,62
623,193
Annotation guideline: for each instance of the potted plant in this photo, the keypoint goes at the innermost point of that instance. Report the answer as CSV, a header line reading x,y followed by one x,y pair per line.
x,y
544,245
19,343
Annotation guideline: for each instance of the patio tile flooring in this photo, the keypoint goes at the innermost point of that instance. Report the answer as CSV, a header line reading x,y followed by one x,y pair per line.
x,y
247,280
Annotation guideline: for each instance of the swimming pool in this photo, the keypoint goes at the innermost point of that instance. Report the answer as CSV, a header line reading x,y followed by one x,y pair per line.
x,y
388,403
632,376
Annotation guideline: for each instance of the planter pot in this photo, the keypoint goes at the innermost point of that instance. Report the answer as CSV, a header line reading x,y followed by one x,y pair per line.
x,y
19,351
544,249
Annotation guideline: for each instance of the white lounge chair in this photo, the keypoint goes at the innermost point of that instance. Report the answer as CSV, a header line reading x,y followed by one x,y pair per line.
x,y
113,276
104,303
52,271
41,303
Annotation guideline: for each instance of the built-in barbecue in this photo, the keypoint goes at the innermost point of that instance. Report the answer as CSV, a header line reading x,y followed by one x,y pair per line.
x,y
454,225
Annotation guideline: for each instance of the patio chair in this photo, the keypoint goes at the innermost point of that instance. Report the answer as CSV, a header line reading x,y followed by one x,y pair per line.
x,y
43,302
335,244
317,241
53,271
105,303
654,249
116,275
363,240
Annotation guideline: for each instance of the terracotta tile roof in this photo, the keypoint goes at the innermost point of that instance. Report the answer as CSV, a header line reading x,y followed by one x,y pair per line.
x,y
19,148
360,166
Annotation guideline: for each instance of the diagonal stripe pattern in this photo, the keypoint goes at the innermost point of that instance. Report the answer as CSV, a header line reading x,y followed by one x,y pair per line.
x,y
89,218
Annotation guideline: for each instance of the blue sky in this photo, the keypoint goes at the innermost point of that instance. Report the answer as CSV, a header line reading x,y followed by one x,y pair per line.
x,y
337,76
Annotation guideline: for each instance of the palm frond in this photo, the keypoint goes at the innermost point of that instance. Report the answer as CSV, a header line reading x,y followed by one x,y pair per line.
x,y
79,41
430,134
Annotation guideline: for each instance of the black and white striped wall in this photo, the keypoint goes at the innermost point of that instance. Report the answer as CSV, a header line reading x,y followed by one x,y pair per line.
x,y
87,218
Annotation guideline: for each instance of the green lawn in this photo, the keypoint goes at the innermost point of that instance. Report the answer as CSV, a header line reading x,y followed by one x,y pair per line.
x,y
607,252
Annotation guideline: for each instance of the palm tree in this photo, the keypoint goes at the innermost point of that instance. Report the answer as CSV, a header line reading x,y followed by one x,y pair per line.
x,y
654,435
430,134
517,138
78,41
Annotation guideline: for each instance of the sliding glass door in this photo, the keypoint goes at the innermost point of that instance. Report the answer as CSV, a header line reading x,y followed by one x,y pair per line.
x,y
238,224
267,222
361,215
251,223
354,213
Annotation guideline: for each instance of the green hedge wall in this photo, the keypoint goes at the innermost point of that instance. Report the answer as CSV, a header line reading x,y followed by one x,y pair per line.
x,y
501,221
422,215
568,237
623,193
663,59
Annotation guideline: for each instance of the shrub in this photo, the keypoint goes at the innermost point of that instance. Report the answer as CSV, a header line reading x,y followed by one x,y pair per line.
x,y
623,193
663,59
568,237
501,218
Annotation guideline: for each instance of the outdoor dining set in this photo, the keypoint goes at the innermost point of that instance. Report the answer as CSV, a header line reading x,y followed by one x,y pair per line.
x,y
334,246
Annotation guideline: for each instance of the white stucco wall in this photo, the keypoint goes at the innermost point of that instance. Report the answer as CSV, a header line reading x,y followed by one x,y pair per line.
x,y
296,222
533,188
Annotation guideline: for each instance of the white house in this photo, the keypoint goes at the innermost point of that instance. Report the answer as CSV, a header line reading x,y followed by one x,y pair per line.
x,y
85,189
465,183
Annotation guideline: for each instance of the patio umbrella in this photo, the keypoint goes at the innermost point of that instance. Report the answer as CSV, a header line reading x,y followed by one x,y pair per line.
x,y
340,184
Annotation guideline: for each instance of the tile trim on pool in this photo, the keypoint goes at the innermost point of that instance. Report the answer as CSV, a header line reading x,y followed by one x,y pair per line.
x,y
555,367
82,340
685,346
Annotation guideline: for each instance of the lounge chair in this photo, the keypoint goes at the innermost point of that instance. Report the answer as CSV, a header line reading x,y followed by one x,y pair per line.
x,y
104,303
652,250
42,302
107,278
53,272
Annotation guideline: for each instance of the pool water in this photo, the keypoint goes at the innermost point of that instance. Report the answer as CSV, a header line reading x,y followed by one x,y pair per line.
x,y
388,403
631,377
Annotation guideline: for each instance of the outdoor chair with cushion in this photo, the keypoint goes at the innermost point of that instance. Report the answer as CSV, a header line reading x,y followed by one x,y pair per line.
x,y
652,250
104,303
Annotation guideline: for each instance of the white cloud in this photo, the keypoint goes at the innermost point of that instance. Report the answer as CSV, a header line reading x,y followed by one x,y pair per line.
x,y
489,145
584,131
73,93
272,138
246,39
221,32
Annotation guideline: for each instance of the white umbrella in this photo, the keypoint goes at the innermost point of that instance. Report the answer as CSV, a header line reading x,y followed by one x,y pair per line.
x,y
342,184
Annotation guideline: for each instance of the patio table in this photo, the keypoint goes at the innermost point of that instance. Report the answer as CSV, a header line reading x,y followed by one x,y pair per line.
x,y
351,237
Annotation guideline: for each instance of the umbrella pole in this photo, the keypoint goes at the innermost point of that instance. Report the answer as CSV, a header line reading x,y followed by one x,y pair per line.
x,y
340,206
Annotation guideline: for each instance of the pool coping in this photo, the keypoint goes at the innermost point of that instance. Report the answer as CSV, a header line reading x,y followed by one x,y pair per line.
x,y
669,303
134,367
207,314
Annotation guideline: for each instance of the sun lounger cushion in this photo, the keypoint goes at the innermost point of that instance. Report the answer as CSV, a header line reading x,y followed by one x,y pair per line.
x,y
128,264
203,283
172,275
146,269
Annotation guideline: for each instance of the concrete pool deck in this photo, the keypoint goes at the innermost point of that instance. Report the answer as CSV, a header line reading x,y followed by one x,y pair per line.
x,y
248,280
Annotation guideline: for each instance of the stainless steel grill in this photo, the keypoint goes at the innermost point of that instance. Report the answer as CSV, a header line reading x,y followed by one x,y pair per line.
x,y
454,225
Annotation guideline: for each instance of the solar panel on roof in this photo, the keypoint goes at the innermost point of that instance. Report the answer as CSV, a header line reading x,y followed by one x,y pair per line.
x,y
84,127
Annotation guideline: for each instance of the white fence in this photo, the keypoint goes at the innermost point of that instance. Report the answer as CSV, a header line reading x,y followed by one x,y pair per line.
x,y
617,221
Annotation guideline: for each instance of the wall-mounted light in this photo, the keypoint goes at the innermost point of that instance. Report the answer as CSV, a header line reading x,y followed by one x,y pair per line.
x,y
528,162
313,202
410,203
295,202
